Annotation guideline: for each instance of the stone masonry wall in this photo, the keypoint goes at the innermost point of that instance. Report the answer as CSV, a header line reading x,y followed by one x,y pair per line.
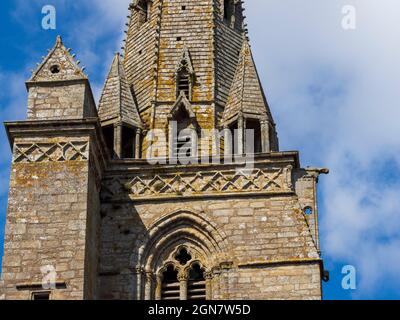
x,y
290,282
258,231
63,101
47,216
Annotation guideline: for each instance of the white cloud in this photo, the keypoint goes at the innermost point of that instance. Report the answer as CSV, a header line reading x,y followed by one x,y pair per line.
x,y
335,94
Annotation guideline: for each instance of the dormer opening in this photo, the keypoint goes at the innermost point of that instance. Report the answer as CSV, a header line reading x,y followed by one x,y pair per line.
x,y
185,141
183,132
229,11
143,8
123,141
184,75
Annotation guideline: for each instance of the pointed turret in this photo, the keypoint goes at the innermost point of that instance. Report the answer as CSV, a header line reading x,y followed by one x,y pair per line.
x,y
58,65
118,109
247,105
58,88
117,103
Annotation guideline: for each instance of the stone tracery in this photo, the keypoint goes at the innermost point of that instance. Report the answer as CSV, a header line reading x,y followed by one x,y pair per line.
x,y
187,245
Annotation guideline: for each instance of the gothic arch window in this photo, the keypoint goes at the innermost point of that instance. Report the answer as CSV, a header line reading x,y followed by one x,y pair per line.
x,y
184,75
183,277
193,245
185,135
170,285
196,283
183,131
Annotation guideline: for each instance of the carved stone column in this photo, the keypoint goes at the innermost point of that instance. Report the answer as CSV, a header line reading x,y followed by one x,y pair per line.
x,y
158,287
228,141
233,16
172,137
148,285
137,143
183,285
208,277
117,140
240,137
265,136
137,272
216,273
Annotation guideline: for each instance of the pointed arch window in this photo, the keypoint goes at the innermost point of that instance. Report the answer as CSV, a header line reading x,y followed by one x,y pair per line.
x,y
196,283
183,277
185,144
184,75
183,132
170,289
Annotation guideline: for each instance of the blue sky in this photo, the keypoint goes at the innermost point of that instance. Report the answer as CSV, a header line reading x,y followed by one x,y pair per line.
x,y
334,94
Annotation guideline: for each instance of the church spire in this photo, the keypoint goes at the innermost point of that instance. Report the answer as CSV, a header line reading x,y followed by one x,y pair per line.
x,y
206,37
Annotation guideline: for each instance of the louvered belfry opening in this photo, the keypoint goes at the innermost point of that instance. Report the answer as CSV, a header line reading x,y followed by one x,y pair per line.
x,y
197,283
170,285
184,83
183,144
183,277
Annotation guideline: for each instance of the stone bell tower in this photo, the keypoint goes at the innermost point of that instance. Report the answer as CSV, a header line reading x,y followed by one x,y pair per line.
x,y
87,197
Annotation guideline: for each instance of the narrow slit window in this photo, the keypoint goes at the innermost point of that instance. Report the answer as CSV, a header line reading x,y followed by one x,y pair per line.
x,y
228,10
184,83
143,10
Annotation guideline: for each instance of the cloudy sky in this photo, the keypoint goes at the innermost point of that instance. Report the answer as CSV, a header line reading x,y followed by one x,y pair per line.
x,y
334,92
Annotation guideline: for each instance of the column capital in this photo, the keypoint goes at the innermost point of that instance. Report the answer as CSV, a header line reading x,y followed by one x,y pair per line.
x,y
183,276
118,124
149,275
208,275
137,270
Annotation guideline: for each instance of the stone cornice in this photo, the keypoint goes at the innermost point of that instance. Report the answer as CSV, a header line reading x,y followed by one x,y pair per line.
x,y
70,128
277,159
